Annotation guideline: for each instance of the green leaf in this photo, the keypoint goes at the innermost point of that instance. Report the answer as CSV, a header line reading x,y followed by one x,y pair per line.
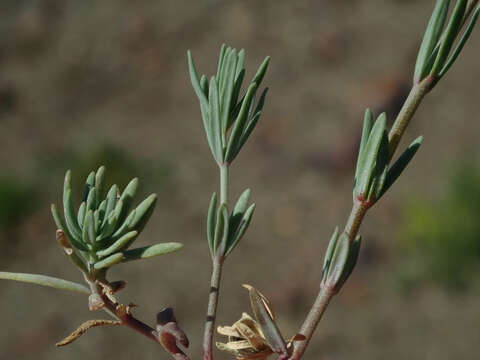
x,y
109,261
127,198
60,225
451,33
239,123
235,237
44,280
71,219
351,261
81,214
194,79
257,79
329,253
150,251
111,224
369,155
226,89
211,218
220,59
91,199
143,212
430,39
264,316
461,43
215,124
381,167
111,202
118,245
397,168
367,128
339,261
239,210
88,233
89,183
100,183
219,226
221,230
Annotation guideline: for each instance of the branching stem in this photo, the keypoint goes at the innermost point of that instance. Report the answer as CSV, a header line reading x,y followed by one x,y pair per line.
x,y
358,212
215,279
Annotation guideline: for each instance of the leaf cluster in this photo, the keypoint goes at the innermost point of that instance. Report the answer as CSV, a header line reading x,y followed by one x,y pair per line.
x,y
99,234
228,118
445,38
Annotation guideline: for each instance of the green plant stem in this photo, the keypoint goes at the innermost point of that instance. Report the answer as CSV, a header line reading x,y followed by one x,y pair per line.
x,y
358,212
407,111
212,309
308,328
223,184
215,279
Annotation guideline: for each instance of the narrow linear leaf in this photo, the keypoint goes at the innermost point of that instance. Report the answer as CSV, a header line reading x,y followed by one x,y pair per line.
x,y
351,261
240,121
397,168
369,156
430,39
239,210
329,253
150,251
143,212
118,245
339,261
111,202
195,80
81,214
257,79
227,89
461,43
451,33
242,228
91,199
218,227
70,217
367,128
215,122
204,85
100,183
211,218
109,261
60,225
44,280
220,59
127,198
89,183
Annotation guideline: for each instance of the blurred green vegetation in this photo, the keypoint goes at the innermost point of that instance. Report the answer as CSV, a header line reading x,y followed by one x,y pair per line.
x,y
121,167
441,240
17,200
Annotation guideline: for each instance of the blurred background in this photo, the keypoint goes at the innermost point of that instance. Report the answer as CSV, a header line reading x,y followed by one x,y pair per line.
x,y
85,83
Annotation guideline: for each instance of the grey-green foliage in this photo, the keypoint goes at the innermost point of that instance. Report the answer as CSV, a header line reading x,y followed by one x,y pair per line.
x,y
438,50
340,260
225,230
373,176
228,117
100,233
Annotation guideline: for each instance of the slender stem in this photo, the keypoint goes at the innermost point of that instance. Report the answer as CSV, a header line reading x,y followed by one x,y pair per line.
x,y
223,184
407,111
325,294
355,219
123,313
359,211
212,309
216,277
311,322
